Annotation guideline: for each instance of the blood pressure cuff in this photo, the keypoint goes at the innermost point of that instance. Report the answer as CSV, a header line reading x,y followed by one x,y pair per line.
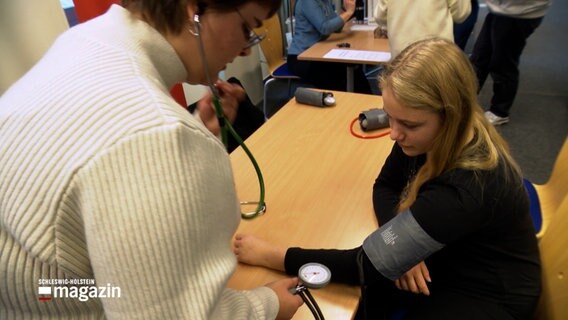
x,y
399,245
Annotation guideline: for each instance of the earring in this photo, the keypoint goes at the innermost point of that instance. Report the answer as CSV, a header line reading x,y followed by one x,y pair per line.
x,y
195,31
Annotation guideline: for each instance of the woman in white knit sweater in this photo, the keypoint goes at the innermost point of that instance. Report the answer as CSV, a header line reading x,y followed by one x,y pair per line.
x,y
105,181
407,21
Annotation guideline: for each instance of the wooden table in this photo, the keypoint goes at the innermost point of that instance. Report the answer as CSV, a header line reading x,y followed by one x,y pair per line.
x,y
358,40
319,181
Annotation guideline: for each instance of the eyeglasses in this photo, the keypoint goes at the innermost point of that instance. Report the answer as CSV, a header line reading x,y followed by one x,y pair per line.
x,y
252,37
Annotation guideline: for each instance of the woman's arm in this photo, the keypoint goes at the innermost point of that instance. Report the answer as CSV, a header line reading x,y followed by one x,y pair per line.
x,y
459,9
349,6
380,13
322,17
351,266
154,223
446,210
390,183
345,265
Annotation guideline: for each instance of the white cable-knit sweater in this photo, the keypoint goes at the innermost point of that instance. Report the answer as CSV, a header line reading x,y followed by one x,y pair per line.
x,y
103,176
408,21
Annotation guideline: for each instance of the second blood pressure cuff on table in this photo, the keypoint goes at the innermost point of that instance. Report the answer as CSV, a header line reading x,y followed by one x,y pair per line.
x,y
399,245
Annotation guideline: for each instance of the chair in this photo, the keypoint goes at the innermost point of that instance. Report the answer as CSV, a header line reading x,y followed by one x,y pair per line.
x,y
273,49
554,260
291,12
546,198
88,9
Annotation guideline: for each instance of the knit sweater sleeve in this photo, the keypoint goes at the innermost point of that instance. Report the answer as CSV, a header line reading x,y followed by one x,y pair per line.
x,y
380,12
459,9
159,210
252,304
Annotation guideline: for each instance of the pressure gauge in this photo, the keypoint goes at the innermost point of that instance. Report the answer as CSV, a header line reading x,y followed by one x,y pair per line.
x,y
314,275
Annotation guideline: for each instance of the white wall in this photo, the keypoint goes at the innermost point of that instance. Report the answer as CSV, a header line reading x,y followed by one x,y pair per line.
x,y
27,29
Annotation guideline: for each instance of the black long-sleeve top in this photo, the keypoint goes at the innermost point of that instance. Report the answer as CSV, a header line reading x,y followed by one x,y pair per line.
x,y
482,218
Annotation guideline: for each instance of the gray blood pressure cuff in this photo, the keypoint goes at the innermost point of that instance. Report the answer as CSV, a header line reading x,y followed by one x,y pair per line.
x,y
399,245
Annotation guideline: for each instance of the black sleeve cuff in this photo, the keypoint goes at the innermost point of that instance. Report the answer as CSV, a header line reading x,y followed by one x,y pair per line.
x,y
343,264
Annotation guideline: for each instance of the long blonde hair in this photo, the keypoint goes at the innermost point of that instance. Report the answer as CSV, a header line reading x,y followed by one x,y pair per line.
x,y
435,75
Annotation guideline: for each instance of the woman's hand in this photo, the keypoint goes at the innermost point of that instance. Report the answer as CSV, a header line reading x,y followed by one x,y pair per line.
x,y
289,303
415,280
230,95
381,32
349,6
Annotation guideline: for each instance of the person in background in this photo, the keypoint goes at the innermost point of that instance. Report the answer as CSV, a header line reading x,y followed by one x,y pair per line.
x,y
315,20
497,51
453,213
407,21
462,31
106,180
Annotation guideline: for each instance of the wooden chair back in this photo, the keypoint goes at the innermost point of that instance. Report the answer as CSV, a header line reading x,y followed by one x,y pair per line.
x,y
553,304
555,190
273,45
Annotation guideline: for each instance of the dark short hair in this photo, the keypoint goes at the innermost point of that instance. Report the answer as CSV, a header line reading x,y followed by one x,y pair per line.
x,y
170,15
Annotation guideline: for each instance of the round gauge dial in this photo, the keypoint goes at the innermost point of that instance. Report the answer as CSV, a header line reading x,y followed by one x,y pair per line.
x,y
314,275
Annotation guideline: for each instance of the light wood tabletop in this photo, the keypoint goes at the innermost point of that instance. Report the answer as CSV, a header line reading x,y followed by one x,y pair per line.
x,y
363,49
358,40
319,180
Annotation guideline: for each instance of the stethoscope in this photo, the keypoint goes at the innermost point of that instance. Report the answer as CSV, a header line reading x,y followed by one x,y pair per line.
x,y
312,275
227,128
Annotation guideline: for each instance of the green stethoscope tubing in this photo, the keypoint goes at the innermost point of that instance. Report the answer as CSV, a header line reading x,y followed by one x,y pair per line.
x,y
226,128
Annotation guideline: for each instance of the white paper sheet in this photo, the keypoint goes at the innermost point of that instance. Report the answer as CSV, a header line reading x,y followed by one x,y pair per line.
x,y
363,27
361,55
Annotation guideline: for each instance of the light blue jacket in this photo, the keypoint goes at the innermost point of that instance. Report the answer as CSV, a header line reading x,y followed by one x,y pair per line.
x,y
315,21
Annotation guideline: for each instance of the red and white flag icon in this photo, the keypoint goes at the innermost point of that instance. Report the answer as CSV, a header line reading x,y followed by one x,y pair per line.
x,y
44,293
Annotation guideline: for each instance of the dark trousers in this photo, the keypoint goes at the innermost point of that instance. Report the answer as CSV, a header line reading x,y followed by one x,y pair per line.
x,y
328,75
463,30
497,52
